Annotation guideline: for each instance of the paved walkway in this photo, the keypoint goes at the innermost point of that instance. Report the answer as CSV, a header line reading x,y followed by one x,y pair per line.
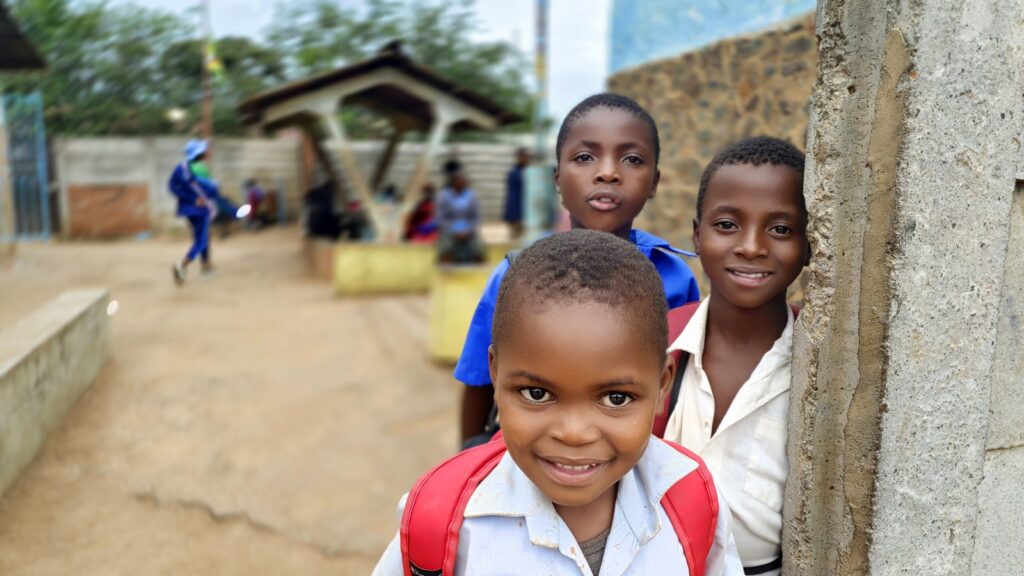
x,y
248,423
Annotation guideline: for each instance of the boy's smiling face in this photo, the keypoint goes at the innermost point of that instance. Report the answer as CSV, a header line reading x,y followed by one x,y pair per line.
x,y
751,233
577,387
607,170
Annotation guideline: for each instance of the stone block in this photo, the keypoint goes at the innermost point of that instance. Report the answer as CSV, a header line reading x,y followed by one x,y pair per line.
x,y
453,298
46,361
383,268
1006,408
998,545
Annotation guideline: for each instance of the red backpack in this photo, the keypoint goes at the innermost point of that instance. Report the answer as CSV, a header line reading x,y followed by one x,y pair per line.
x,y
436,504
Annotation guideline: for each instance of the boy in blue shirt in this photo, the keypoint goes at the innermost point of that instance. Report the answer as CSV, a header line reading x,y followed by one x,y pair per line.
x,y
607,152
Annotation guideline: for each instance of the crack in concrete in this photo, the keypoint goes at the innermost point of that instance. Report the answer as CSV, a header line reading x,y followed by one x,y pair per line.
x,y
243,517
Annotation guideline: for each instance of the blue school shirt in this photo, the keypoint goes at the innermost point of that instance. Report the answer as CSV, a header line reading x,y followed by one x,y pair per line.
x,y
680,288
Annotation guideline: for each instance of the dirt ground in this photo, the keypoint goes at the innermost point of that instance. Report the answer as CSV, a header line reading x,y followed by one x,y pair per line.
x,y
248,423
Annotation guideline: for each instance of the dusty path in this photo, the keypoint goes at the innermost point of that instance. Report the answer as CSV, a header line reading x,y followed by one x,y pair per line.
x,y
246,424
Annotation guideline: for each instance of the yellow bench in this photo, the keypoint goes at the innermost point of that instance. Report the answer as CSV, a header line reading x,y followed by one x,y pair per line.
x,y
453,299
367,268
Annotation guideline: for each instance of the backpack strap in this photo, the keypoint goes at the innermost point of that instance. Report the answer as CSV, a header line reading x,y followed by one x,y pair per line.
x,y
692,506
435,506
678,318
511,256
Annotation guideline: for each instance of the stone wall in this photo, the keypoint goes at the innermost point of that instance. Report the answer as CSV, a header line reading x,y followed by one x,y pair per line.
x,y
704,100
46,361
115,186
118,186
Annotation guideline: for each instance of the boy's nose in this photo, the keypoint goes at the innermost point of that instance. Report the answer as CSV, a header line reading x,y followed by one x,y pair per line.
x,y
607,173
751,245
573,428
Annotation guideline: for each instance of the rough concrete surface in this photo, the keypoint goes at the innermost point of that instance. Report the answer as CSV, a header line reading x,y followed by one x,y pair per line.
x,y
46,361
913,147
1006,426
248,423
999,548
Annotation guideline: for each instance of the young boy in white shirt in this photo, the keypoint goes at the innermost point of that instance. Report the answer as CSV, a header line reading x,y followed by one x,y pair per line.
x,y
733,405
579,366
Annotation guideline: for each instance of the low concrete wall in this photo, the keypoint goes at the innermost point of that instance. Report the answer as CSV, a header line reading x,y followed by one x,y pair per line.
x,y
115,186
46,361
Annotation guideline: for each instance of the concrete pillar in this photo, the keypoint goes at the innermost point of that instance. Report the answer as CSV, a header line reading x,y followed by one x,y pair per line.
x,y
912,153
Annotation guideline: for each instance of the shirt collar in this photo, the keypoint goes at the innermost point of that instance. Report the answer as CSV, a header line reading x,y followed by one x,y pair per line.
x,y
691,341
650,241
508,492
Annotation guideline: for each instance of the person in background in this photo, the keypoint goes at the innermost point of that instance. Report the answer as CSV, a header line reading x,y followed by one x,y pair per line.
x,y
255,195
198,197
515,191
421,226
458,222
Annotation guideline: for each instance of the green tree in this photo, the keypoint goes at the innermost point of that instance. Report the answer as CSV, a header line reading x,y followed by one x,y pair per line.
x,y
103,76
248,68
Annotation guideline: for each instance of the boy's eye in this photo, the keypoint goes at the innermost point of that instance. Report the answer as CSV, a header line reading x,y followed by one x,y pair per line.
x,y
725,225
583,157
536,394
616,399
780,229
634,160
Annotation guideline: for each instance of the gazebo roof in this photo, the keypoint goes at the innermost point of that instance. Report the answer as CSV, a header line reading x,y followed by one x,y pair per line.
x,y
390,57
16,52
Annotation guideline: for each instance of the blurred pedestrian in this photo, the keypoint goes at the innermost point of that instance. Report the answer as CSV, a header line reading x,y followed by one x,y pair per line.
x,y
514,193
458,221
198,197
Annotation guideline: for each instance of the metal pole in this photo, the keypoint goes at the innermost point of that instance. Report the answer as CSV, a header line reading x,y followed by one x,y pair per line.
x,y
540,71
538,182
207,127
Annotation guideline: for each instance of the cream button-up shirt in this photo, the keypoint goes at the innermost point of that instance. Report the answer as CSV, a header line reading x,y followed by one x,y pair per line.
x,y
747,454
511,528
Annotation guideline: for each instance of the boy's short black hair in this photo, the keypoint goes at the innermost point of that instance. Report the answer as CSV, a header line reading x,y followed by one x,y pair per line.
x,y
755,151
615,102
584,266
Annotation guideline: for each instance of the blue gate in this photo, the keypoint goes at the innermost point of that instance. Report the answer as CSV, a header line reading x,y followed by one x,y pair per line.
x,y
26,159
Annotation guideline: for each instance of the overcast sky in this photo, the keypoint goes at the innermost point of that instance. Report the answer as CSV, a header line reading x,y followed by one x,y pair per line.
x,y
578,38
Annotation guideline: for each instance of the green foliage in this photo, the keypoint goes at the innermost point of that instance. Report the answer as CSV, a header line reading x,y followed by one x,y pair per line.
x,y
120,69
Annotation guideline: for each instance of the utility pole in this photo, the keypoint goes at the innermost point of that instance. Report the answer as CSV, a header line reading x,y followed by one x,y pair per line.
x,y
207,124
540,188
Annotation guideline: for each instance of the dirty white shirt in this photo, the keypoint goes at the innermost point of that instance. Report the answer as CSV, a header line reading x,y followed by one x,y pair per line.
x,y
747,454
510,527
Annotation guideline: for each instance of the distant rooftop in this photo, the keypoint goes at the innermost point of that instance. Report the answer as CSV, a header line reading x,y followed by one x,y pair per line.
x,y
391,56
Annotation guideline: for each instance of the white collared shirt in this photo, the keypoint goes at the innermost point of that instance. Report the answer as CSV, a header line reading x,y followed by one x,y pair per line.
x,y
747,454
510,527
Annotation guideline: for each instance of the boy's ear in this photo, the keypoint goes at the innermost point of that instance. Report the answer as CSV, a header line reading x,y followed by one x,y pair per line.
x,y
696,237
654,185
492,368
668,376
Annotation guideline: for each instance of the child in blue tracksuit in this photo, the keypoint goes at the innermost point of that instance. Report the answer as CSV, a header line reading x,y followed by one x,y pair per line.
x,y
197,202
607,152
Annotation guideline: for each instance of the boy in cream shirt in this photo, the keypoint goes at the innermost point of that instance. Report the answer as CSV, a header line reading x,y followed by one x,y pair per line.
x,y
733,406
